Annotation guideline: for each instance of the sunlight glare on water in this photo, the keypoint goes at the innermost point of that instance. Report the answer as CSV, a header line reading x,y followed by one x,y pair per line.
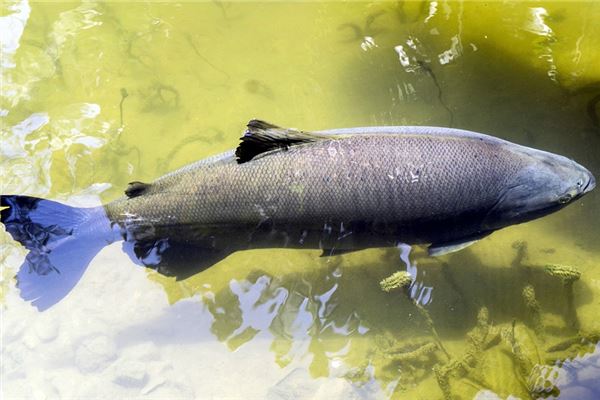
x,y
98,94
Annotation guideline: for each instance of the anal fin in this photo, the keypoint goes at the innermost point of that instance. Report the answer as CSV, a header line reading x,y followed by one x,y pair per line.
x,y
439,249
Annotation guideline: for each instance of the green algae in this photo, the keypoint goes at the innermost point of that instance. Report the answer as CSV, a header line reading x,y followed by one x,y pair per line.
x,y
565,273
398,280
533,306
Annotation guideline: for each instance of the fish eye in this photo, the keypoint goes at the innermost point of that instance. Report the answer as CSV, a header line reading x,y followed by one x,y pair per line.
x,y
580,183
565,198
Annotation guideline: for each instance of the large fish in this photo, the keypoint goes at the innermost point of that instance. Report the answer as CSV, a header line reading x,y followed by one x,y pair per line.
x,y
337,190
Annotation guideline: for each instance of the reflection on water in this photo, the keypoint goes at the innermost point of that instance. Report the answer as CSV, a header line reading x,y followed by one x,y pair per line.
x,y
95,95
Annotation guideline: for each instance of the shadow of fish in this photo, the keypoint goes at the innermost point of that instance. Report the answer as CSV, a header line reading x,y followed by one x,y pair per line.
x,y
338,190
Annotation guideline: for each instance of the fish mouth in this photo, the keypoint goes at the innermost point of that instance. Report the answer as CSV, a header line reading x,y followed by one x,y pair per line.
x,y
590,185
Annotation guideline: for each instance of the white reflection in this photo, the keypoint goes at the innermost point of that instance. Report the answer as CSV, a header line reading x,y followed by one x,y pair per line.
x,y
70,23
368,43
538,26
419,292
28,147
324,308
11,30
255,314
432,10
404,59
14,140
452,53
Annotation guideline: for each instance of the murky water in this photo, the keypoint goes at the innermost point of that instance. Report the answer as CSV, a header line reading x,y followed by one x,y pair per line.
x,y
95,95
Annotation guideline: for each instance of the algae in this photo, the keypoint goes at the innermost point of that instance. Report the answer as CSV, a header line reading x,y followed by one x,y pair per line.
x,y
565,273
398,280
568,276
533,306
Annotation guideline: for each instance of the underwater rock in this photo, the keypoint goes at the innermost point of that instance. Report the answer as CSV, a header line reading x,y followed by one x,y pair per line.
x,y
12,362
95,353
30,340
577,393
298,385
46,328
293,386
488,395
130,373
17,328
145,351
171,390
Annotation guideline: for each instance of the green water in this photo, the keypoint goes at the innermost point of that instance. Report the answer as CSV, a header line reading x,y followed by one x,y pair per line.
x,y
98,94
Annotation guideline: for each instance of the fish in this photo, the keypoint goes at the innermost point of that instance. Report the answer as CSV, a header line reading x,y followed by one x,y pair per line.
x,y
338,191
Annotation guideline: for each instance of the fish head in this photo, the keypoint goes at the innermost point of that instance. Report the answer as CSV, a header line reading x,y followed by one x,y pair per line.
x,y
546,183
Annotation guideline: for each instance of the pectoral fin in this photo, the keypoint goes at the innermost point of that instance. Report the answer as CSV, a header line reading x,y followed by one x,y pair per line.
x,y
439,249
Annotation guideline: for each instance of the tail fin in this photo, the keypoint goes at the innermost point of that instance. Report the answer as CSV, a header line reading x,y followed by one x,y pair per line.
x,y
61,240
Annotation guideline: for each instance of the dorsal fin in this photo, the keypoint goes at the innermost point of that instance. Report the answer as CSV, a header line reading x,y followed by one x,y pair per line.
x,y
136,188
262,137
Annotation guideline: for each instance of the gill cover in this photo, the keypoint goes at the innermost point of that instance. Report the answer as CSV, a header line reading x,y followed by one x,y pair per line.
x,y
534,192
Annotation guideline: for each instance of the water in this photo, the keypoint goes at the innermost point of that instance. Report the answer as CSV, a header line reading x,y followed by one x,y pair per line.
x,y
95,95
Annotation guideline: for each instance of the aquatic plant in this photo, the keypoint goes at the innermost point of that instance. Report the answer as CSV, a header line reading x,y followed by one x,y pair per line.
x,y
565,273
402,280
398,280
481,338
540,381
523,363
533,306
581,343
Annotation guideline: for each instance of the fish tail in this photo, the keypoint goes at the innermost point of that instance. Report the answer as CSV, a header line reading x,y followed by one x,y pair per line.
x,y
61,240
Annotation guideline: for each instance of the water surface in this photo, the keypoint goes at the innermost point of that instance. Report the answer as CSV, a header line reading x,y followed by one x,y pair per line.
x,y
98,94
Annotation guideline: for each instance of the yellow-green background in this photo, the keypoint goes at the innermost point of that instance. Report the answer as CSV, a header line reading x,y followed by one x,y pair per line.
x,y
195,72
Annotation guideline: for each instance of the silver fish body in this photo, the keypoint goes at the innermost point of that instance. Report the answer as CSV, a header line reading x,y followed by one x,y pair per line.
x,y
350,189
338,190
